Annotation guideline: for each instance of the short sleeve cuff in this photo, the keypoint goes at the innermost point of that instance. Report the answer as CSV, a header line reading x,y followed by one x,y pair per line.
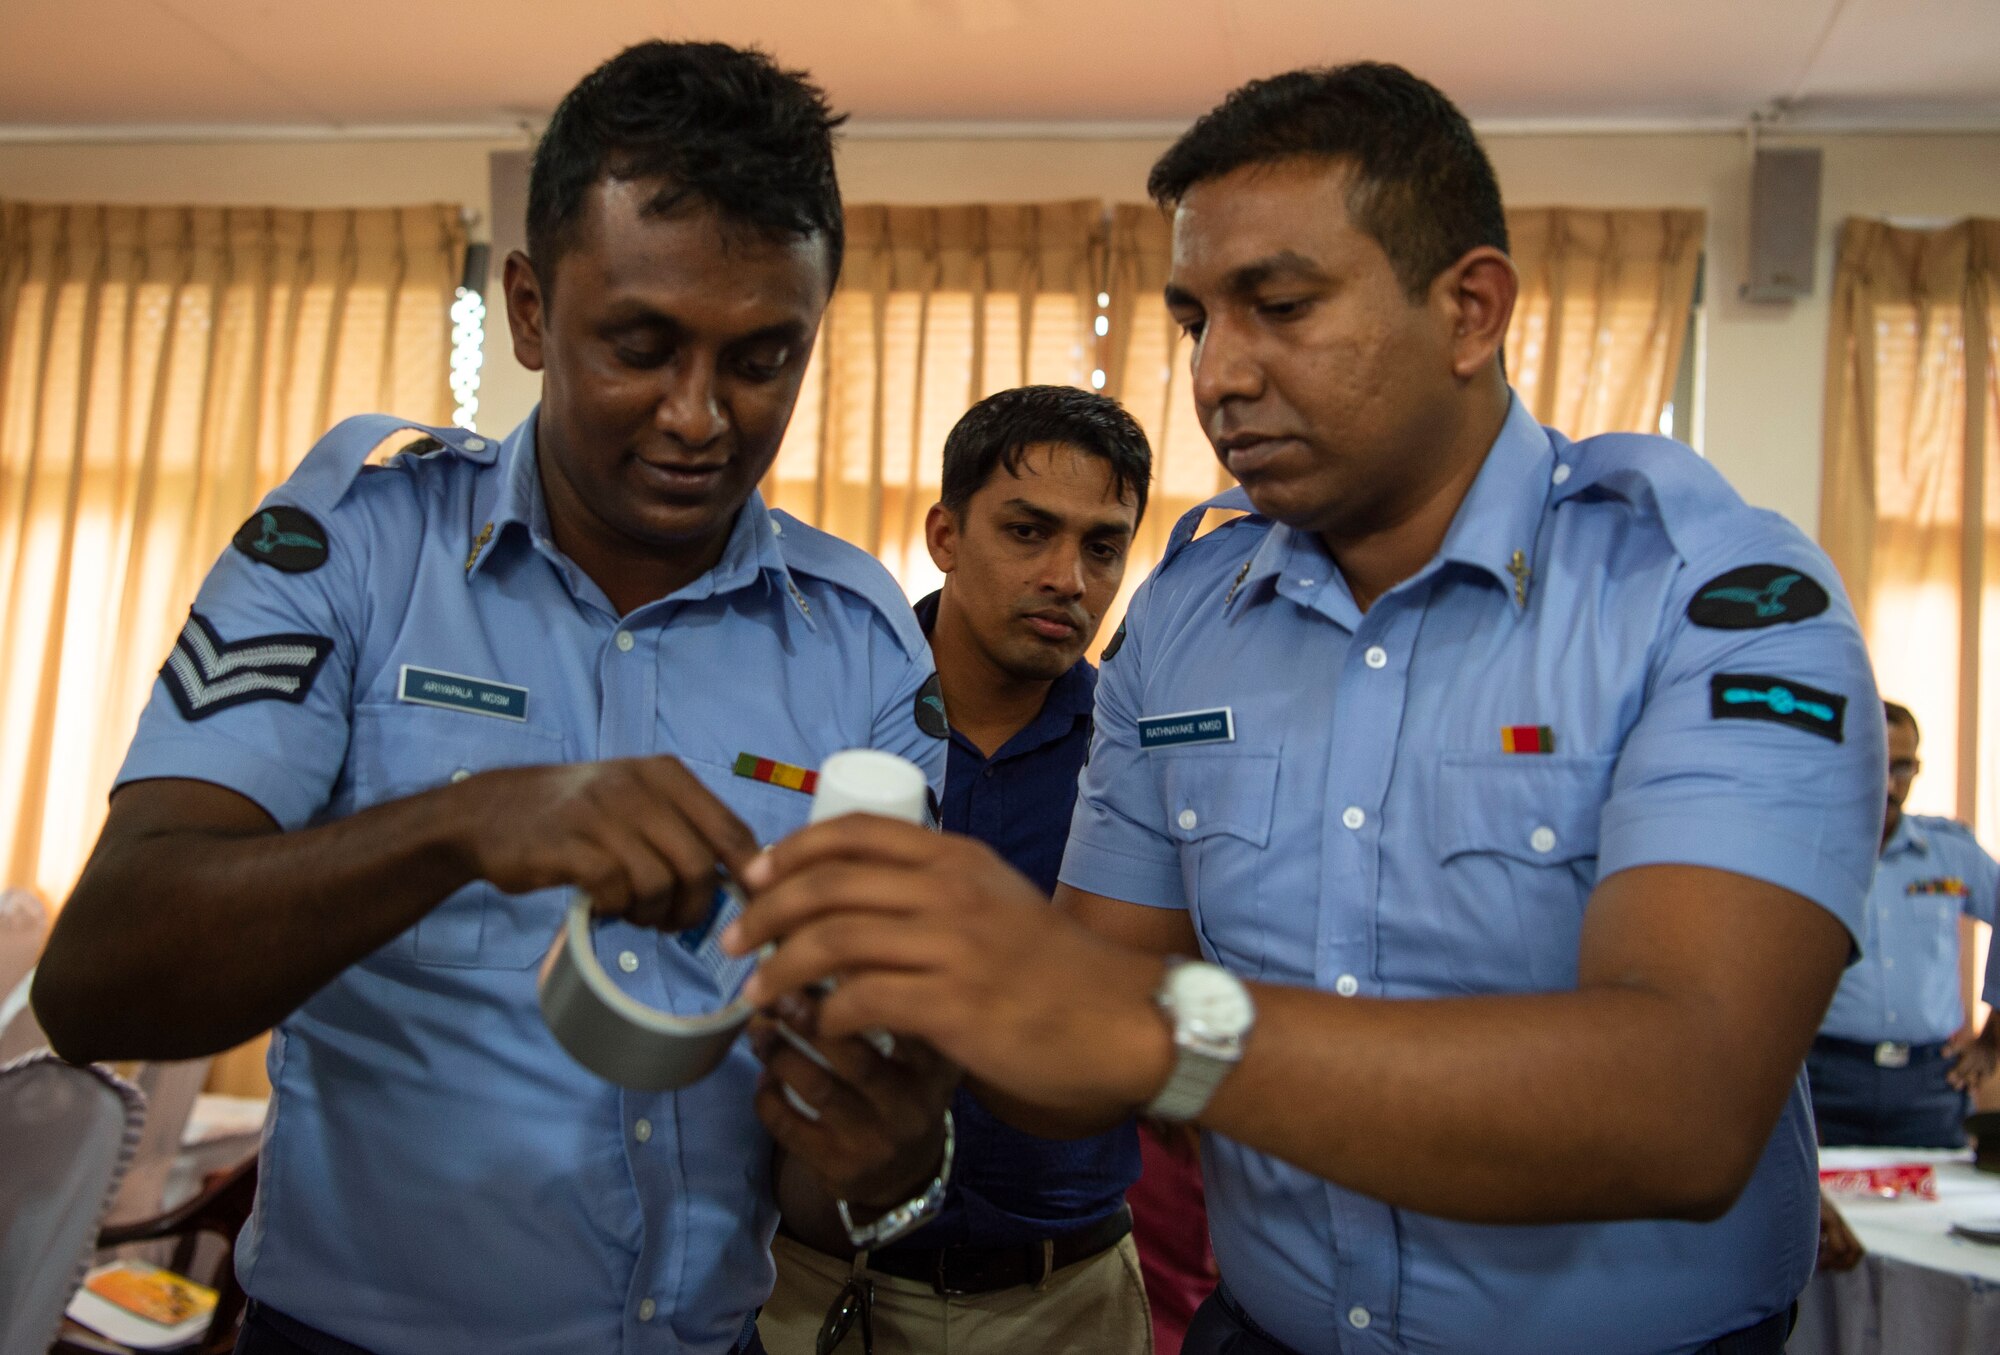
x,y
1742,844
1099,869
276,787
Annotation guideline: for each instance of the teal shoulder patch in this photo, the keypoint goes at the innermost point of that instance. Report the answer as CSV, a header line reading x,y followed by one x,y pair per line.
x,y
1117,643
1750,597
1778,700
284,538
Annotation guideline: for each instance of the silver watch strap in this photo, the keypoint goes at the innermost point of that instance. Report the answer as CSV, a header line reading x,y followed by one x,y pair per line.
x,y
1189,1086
911,1214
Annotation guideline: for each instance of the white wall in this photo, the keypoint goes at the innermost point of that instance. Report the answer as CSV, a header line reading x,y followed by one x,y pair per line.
x,y
1764,371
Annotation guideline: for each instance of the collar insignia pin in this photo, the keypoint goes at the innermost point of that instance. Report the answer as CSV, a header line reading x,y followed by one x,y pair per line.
x,y
1518,567
478,545
1237,583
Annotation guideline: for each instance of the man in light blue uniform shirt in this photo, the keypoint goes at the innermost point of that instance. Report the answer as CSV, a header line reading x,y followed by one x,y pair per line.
x,y
1518,794
414,705
1895,1058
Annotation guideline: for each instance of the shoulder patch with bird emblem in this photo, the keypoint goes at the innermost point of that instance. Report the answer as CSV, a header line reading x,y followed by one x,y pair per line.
x,y
1753,596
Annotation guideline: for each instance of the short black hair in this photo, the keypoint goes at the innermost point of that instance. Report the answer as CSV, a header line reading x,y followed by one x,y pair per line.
x,y
1423,187
717,124
1898,714
999,430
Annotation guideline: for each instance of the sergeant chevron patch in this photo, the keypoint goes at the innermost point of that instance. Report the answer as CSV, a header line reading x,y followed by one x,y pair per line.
x,y
206,673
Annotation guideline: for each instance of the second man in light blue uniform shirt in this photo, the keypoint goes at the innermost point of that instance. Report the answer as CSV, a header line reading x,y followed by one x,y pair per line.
x,y
1895,1058
1518,796
413,705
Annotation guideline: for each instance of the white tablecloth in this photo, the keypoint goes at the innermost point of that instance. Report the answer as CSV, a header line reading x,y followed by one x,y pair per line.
x,y
1921,1290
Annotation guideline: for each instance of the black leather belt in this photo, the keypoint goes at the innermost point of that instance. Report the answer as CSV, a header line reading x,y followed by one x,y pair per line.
x,y
960,1271
1883,1053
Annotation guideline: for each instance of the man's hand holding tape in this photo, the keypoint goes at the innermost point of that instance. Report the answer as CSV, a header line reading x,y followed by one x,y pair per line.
x,y
263,918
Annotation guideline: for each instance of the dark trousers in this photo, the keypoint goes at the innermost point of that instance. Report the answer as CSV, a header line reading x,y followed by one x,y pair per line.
x,y
1858,1102
1222,1328
266,1331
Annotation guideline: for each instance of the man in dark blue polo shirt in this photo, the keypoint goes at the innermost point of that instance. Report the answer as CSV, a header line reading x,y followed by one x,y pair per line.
x,y
1043,488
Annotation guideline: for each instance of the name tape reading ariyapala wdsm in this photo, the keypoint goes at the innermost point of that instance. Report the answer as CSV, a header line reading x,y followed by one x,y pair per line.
x,y
625,1041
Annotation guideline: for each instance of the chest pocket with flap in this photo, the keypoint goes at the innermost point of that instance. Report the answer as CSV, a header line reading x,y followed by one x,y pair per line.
x,y
396,751
1516,839
1219,804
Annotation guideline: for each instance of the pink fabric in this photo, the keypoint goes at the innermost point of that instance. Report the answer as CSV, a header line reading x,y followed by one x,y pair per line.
x,y
1170,1226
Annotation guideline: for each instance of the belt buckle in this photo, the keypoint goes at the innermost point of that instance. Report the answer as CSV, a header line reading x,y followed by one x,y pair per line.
x,y
1891,1054
941,1282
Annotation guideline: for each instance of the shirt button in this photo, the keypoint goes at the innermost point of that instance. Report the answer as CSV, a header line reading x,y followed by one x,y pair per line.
x,y
1307,583
1892,1016
1188,819
1357,1318
777,527
628,962
1543,839
460,775
1562,474
1347,985
1377,657
1888,963
624,642
646,1309
475,444
642,1131
1353,817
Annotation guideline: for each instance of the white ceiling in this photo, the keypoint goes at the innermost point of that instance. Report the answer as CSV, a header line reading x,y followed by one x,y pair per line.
x,y
102,66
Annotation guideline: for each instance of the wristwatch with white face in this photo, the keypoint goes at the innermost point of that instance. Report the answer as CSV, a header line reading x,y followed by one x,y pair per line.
x,y
1210,1012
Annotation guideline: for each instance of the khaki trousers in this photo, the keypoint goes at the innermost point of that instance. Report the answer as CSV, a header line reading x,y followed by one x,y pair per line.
x,y
1095,1307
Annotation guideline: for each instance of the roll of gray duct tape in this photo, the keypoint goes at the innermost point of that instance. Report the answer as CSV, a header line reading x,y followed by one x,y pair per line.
x,y
621,1039
616,1036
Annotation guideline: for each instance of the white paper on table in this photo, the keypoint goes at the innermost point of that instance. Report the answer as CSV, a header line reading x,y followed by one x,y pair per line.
x,y
216,1116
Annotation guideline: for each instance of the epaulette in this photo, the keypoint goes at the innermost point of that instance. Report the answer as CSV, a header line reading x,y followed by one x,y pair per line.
x,y
1230,500
1935,823
1699,510
335,462
819,555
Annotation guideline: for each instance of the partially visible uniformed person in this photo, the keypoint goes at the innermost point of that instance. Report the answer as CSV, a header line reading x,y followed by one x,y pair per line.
x,y
1895,1059
1034,1249
1518,796
414,704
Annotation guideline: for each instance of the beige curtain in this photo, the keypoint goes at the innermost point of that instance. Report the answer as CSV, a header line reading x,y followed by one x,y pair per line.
x,y
937,308
1148,366
1908,506
1595,345
160,369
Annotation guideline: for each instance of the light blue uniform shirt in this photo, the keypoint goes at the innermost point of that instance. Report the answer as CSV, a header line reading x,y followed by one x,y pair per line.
x,y
1905,987
1364,833
437,1174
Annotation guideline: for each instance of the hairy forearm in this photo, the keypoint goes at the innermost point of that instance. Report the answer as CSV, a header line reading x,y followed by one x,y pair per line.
x,y
180,942
1599,1104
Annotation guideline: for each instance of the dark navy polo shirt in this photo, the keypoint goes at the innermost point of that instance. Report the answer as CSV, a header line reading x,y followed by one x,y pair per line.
x,y
1009,1187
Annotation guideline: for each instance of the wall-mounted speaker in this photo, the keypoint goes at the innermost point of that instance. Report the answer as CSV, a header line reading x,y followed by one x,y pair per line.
x,y
1784,223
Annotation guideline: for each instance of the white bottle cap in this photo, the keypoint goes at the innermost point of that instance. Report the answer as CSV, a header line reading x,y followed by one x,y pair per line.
x,y
867,781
